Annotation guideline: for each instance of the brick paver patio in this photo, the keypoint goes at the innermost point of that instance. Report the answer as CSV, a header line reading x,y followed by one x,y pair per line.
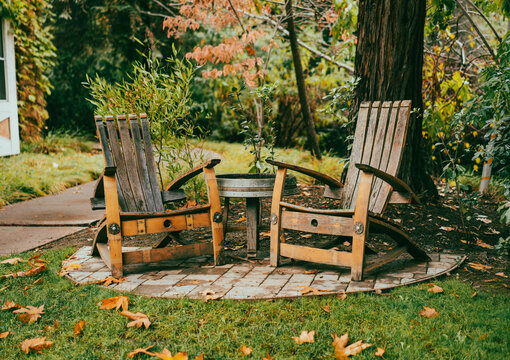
x,y
195,278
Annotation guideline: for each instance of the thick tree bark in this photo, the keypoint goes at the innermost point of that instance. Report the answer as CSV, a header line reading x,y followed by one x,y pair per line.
x,y
300,80
389,61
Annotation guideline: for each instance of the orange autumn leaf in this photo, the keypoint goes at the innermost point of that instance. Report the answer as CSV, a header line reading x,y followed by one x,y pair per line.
x,y
199,357
316,271
115,302
477,266
55,326
3,335
245,350
342,296
29,314
428,312
12,261
307,289
435,289
78,328
140,351
34,270
36,345
326,308
10,305
138,318
484,336
241,219
267,357
305,337
111,280
342,352
167,355
66,268
380,352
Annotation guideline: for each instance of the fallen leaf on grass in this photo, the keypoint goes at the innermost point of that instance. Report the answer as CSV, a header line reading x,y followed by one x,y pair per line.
x,y
38,281
380,352
209,295
428,312
55,326
307,289
342,352
78,328
167,355
115,302
245,350
484,336
4,334
67,267
326,308
435,289
267,357
140,351
34,270
477,266
446,228
305,337
12,261
36,345
138,318
29,314
10,305
342,296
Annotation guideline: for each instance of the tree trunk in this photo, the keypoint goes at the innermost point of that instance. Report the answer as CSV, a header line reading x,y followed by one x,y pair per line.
x,y
389,61
300,80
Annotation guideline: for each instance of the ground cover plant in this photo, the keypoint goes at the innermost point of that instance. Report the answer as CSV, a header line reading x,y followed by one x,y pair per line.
x,y
467,323
48,166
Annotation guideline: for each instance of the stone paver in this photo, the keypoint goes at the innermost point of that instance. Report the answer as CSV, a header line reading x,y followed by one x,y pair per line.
x,y
247,281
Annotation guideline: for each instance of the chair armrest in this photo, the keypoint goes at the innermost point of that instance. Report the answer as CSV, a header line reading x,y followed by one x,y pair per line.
x,y
323,178
395,182
182,179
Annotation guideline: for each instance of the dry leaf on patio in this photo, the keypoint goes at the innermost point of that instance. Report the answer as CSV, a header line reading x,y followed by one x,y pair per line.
x,y
12,261
342,352
428,312
29,314
10,305
78,328
326,308
3,335
316,271
435,289
167,355
209,295
305,337
241,219
189,282
380,352
307,289
139,319
35,345
245,350
477,266
140,351
66,268
115,302
446,228
110,280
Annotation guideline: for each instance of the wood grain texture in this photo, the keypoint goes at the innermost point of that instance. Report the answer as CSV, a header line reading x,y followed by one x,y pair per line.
x,y
275,217
321,256
173,253
317,223
323,178
215,204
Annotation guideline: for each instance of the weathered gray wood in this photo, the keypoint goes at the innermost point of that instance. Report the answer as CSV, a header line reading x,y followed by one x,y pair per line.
x,y
317,223
141,162
131,165
171,196
121,176
151,164
252,212
323,178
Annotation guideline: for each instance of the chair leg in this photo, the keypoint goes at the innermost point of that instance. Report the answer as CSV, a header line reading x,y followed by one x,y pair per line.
x,y
215,215
358,257
276,217
115,242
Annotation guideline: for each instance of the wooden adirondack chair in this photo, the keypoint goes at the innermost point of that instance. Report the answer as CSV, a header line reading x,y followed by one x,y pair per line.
x,y
129,191
371,184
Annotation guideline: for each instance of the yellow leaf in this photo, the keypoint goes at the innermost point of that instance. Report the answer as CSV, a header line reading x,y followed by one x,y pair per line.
x,y
29,314
139,319
342,352
435,289
12,261
140,351
245,350
78,328
115,302
380,352
36,345
428,312
305,337
167,355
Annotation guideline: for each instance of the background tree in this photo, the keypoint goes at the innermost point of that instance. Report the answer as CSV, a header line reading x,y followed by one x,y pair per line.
x,y
389,61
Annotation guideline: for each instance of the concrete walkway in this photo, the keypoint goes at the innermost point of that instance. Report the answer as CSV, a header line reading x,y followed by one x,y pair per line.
x,y
30,224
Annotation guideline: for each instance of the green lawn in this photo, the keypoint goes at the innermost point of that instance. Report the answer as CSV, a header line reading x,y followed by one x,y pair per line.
x,y
467,327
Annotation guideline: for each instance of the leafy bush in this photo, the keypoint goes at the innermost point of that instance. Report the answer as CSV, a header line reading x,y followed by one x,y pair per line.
x,y
160,89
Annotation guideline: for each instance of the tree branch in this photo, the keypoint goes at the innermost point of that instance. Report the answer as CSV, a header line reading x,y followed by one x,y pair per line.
x,y
485,18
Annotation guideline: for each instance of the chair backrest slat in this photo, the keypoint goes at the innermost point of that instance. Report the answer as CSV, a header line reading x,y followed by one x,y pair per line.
x,y
131,164
141,163
379,142
121,174
151,164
